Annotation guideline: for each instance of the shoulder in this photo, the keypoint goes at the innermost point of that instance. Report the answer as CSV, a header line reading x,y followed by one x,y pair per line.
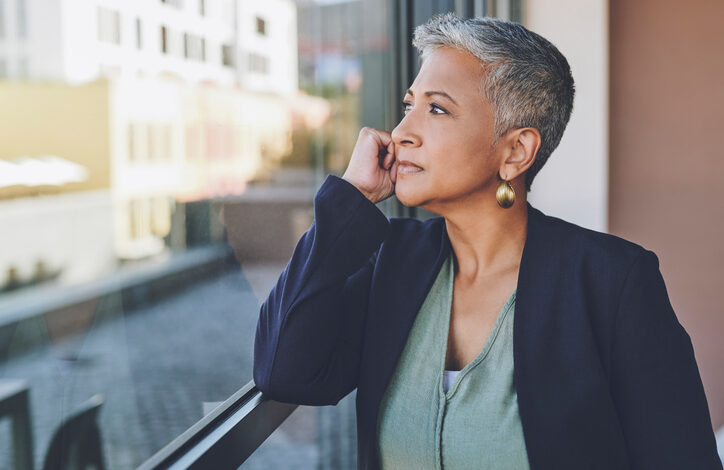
x,y
593,250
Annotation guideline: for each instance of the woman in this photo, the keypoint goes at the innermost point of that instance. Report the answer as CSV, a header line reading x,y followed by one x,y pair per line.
x,y
493,336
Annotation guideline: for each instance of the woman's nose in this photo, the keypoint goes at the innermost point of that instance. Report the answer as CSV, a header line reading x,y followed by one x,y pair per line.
x,y
403,135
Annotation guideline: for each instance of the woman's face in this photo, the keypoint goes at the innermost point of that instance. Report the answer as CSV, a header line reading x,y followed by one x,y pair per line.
x,y
447,130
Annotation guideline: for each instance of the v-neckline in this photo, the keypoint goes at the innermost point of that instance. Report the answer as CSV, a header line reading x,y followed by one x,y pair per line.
x,y
488,343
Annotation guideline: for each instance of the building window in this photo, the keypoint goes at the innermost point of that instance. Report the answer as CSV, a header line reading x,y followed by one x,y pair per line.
x,y
21,10
227,55
132,138
160,216
194,47
139,218
164,40
151,141
260,26
2,19
167,142
131,219
109,26
139,37
258,63
202,7
192,142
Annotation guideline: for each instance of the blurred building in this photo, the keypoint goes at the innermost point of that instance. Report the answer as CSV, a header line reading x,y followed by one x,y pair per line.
x,y
221,41
148,107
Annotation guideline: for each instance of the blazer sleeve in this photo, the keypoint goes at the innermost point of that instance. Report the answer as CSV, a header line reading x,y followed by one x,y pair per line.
x,y
655,380
309,334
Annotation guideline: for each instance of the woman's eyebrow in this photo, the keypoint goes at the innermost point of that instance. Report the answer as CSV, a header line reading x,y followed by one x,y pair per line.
x,y
429,93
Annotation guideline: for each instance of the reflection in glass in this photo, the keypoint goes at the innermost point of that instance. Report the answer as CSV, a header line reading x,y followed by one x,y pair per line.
x,y
154,180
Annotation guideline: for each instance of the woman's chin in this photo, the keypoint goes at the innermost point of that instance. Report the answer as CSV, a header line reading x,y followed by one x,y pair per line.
x,y
406,195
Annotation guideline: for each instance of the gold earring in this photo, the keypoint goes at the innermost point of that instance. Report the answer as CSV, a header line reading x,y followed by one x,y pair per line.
x,y
505,194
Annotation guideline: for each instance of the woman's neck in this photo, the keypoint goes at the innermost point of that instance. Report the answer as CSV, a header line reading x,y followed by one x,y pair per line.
x,y
486,240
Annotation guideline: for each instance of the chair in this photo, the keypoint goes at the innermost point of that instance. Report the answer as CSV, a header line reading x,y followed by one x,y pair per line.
x,y
76,444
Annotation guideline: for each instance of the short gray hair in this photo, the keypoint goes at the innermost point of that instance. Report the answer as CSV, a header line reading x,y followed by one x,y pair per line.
x,y
527,80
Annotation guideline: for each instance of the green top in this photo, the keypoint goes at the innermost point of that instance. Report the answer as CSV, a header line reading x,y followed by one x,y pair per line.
x,y
474,424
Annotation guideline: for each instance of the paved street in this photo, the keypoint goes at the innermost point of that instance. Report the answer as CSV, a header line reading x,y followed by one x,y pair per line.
x,y
156,366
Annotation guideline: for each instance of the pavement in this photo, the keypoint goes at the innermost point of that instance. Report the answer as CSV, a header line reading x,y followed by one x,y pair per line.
x,y
157,365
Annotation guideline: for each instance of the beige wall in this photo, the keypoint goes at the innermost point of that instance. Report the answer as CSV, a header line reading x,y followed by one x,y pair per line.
x,y
667,162
71,122
579,29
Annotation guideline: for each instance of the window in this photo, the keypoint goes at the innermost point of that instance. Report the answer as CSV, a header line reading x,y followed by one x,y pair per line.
x,y
258,63
160,216
260,26
167,152
2,19
139,218
174,3
147,241
131,219
164,40
139,37
227,55
194,47
22,26
131,143
109,26
151,145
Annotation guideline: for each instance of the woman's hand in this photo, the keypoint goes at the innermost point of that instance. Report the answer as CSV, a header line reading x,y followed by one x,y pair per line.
x,y
368,171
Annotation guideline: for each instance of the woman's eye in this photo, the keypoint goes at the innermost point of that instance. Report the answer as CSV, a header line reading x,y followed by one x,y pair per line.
x,y
434,109
434,106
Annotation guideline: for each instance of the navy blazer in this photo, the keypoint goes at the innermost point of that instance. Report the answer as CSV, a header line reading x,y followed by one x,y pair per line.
x,y
604,372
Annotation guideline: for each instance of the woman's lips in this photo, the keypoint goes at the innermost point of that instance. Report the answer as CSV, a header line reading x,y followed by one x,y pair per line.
x,y
408,169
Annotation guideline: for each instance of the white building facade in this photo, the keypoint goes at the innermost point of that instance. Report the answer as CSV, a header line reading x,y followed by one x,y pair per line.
x,y
225,42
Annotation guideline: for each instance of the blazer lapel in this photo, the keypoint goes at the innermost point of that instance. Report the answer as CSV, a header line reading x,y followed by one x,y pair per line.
x,y
535,331
401,285
564,406
404,284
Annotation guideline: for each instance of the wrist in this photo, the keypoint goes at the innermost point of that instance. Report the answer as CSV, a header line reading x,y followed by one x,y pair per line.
x,y
359,188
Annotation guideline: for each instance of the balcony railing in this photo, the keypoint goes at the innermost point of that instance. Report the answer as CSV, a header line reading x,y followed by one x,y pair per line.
x,y
225,437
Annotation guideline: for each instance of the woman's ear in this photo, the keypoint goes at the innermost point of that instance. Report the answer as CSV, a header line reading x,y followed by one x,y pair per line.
x,y
522,148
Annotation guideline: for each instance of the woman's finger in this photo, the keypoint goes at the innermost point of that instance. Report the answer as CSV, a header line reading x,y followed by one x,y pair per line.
x,y
389,158
384,138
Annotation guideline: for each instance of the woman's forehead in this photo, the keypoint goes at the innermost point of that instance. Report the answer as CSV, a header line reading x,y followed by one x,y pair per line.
x,y
455,72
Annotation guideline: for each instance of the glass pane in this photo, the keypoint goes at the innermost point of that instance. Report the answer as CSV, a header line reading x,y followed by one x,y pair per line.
x,y
151,192
294,445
